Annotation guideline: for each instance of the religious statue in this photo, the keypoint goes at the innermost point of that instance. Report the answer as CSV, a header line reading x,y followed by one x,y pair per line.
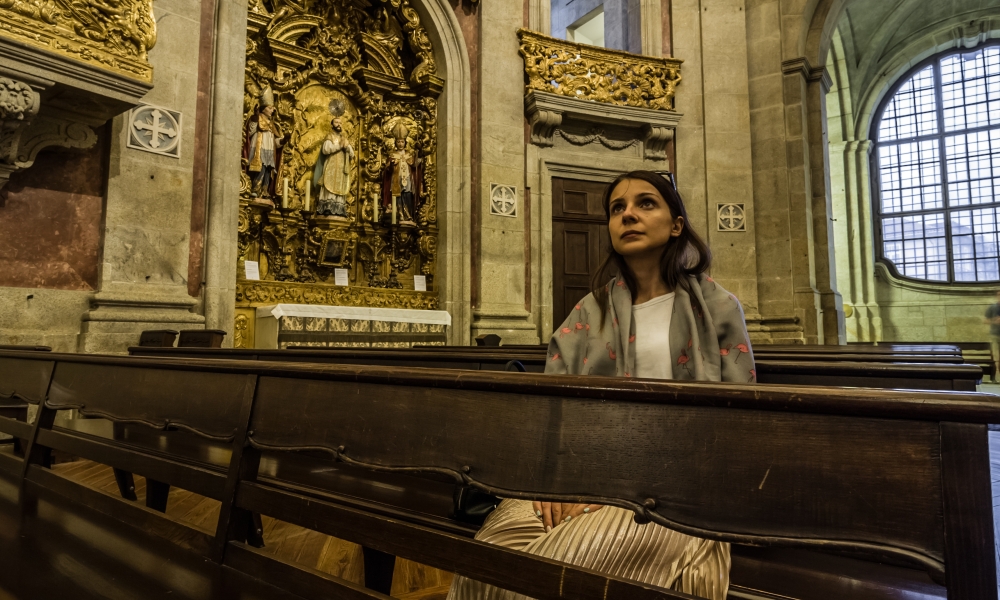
x,y
401,180
332,173
262,148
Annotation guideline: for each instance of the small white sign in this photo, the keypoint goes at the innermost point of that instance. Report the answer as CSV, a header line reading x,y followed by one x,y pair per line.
x,y
340,277
252,270
420,283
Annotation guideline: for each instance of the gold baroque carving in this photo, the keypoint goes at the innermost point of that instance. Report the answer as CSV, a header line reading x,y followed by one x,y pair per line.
x,y
115,35
276,292
353,74
598,74
240,327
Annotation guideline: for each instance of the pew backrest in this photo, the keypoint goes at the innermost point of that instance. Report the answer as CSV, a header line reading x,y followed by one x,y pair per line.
x,y
930,376
899,476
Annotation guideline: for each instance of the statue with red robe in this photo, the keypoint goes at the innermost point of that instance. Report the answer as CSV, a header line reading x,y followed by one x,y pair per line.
x,y
402,182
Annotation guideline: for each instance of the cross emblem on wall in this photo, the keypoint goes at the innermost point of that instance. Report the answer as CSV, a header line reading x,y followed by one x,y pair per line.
x,y
503,200
156,130
732,217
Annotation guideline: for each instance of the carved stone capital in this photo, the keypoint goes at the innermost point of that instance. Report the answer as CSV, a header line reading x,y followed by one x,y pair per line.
x,y
543,121
25,131
654,141
18,106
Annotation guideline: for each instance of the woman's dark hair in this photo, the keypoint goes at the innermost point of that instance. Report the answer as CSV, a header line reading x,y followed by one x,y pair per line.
x,y
683,255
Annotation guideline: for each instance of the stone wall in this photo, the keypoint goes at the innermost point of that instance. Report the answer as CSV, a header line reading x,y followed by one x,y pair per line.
x,y
114,223
915,312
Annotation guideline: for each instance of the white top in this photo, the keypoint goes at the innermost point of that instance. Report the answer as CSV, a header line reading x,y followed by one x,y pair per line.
x,y
652,337
397,315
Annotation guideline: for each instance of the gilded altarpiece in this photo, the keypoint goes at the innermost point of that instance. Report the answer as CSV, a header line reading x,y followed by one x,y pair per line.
x,y
327,75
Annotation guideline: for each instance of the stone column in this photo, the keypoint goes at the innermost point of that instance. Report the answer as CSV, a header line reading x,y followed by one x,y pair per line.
x,y
831,304
864,324
714,161
651,23
501,307
225,145
143,273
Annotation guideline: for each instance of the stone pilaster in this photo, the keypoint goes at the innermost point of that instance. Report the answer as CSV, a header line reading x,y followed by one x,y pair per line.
x,y
501,308
144,267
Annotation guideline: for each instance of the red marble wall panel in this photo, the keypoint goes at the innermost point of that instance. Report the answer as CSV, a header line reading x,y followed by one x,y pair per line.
x,y
51,218
468,19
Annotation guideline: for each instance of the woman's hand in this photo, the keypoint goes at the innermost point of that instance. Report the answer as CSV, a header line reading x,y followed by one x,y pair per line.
x,y
554,513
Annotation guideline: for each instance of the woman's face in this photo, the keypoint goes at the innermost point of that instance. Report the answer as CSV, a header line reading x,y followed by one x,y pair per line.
x,y
640,219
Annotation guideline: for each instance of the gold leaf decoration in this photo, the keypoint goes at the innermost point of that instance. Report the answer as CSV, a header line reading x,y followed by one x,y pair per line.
x,y
115,35
598,74
259,293
370,66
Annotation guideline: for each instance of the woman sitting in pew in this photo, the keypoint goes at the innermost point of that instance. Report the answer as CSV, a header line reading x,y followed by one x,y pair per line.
x,y
660,317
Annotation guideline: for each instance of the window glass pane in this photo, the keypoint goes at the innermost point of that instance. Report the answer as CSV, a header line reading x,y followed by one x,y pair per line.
x,y
970,88
975,244
910,177
971,158
912,110
916,245
916,198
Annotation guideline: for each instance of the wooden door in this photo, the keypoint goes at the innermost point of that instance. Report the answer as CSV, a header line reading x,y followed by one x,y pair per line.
x,y
579,241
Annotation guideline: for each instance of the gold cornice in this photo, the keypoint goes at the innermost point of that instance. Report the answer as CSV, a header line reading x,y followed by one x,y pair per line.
x,y
259,293
114,38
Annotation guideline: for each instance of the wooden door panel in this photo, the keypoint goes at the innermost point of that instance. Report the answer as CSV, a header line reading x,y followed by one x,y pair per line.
x,y
576,256
579,241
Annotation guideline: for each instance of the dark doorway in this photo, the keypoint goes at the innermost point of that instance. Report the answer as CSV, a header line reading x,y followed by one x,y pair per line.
x,y
579,241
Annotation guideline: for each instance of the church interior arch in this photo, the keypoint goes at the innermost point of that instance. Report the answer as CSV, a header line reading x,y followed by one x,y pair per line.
x,y
872,46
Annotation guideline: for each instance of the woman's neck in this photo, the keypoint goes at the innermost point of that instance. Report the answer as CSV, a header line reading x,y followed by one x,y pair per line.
x,y
648,278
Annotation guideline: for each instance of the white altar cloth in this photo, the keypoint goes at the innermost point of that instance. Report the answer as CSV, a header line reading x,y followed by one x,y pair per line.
x,y
357,313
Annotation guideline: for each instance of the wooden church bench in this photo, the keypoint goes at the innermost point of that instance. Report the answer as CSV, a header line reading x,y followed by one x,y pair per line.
x,y
930,376
899,476
925,354
22,384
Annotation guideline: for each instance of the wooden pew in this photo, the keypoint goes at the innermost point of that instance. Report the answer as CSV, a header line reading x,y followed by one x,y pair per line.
x,y
13,404
900,478
929,376
893,353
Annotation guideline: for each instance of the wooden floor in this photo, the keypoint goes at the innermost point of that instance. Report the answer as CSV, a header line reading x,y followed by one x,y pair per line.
x,y
411,581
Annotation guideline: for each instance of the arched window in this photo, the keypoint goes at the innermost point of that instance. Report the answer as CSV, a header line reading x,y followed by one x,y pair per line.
x,y
936,172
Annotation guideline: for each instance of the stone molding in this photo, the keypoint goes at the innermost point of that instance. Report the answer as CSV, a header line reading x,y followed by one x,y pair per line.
x,y
802,66
514,325
24,132
547,112
885,273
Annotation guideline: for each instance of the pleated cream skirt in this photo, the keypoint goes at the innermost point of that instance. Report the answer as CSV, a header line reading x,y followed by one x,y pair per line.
x,y
609,541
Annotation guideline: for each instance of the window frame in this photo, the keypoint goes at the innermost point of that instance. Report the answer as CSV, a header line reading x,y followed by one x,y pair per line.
x,y
875,173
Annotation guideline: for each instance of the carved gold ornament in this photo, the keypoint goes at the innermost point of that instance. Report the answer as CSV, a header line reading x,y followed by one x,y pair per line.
x,y
240,334
598,74
345,78
259,293
115,35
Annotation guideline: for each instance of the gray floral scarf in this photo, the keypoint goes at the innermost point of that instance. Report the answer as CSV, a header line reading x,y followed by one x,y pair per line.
x,y
708,336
